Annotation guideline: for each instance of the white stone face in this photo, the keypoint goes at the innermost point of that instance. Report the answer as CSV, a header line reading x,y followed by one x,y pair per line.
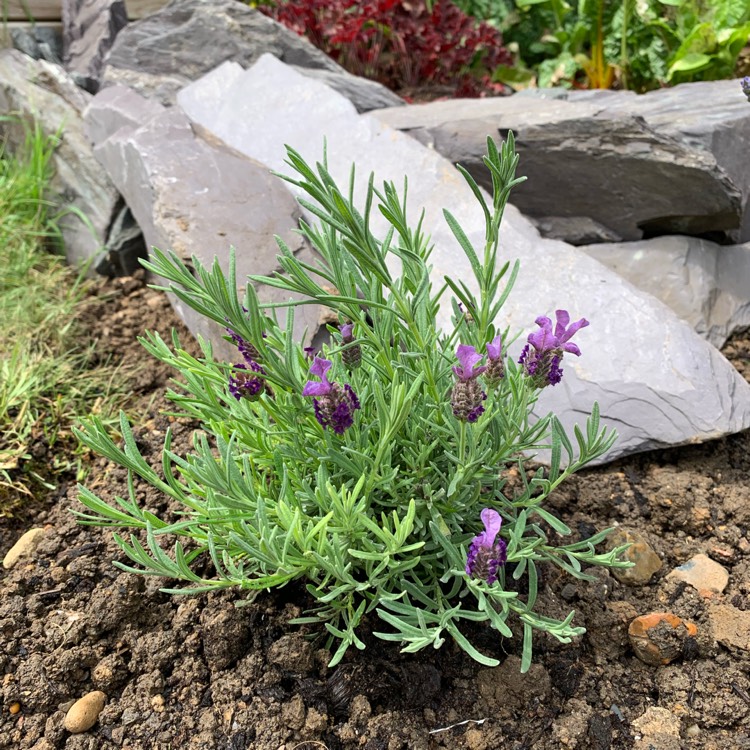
x,y
657,382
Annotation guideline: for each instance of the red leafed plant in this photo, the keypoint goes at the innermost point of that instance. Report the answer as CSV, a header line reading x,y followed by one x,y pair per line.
x,y
401,43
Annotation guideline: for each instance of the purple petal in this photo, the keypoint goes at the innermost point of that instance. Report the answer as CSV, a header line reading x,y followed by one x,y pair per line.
x,y
543,339
563,318
574,328
320,367
495,347
467,357
492,522
572,348
347,331
316,389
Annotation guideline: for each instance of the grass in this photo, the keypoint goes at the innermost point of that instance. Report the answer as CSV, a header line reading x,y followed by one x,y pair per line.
x,y
47,374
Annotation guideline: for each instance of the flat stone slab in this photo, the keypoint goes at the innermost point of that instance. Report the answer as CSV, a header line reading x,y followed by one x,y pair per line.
x,y
195,198
710,115
657,382
706,284
182,41
42,92
583,159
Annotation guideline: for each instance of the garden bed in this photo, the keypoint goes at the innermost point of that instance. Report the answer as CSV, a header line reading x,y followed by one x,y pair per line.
x,y
200,673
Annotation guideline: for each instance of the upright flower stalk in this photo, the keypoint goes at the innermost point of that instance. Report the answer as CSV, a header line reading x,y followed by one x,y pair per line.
x,y
542,356
334,404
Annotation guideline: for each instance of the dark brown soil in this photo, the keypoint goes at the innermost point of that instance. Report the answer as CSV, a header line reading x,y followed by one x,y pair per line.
x,y
200,673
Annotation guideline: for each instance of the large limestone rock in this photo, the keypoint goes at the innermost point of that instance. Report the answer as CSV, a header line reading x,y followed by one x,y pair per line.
x,y
704,283
89,30
194,197
38,90
656,380
161,53
585,160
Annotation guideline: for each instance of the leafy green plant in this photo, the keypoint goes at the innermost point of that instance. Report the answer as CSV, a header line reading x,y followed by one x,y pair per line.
x,y
46,378
635,44
374,469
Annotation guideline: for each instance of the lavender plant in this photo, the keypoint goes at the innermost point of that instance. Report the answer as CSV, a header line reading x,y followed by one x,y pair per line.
x,y
373,469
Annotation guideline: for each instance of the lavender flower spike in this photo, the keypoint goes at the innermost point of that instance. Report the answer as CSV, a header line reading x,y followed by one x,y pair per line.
x,y
745,83
334,404
244,383
496,368
542,363
486,555
467,394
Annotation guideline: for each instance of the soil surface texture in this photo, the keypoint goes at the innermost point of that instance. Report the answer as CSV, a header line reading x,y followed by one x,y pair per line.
x,y
200,673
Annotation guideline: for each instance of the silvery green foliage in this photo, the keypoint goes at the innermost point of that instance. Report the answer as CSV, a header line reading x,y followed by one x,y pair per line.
x,y
377,520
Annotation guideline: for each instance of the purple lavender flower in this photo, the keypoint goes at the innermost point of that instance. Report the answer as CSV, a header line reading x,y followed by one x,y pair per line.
x,y
495,368
334,404
247,350
467,394
486,554
542,362
745,83
309,352
245,384
351,356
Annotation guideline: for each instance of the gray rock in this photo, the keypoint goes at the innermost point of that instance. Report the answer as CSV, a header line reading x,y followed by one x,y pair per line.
x,y
194,197
656,381
125,246
39,42
38,90
712,115
626,176
89,30
706,284
575,230
161,53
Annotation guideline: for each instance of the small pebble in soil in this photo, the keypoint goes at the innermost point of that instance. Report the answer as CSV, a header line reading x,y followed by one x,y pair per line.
x,y
14,708
82,715
702,573
731,626
659,637
24,547
645,561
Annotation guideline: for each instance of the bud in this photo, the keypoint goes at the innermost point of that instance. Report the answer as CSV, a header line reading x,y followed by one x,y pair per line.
x,y
352,355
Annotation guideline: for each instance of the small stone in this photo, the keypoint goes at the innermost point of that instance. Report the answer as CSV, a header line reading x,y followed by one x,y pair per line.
x,y
659,637
157,703
731,626
659,729
474,739
702,573
692,731
316,721
24,547
293,713
724,553
83,714
14,708
645,561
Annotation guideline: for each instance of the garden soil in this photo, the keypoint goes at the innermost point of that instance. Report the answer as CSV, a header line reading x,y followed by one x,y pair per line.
x,y
200,673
